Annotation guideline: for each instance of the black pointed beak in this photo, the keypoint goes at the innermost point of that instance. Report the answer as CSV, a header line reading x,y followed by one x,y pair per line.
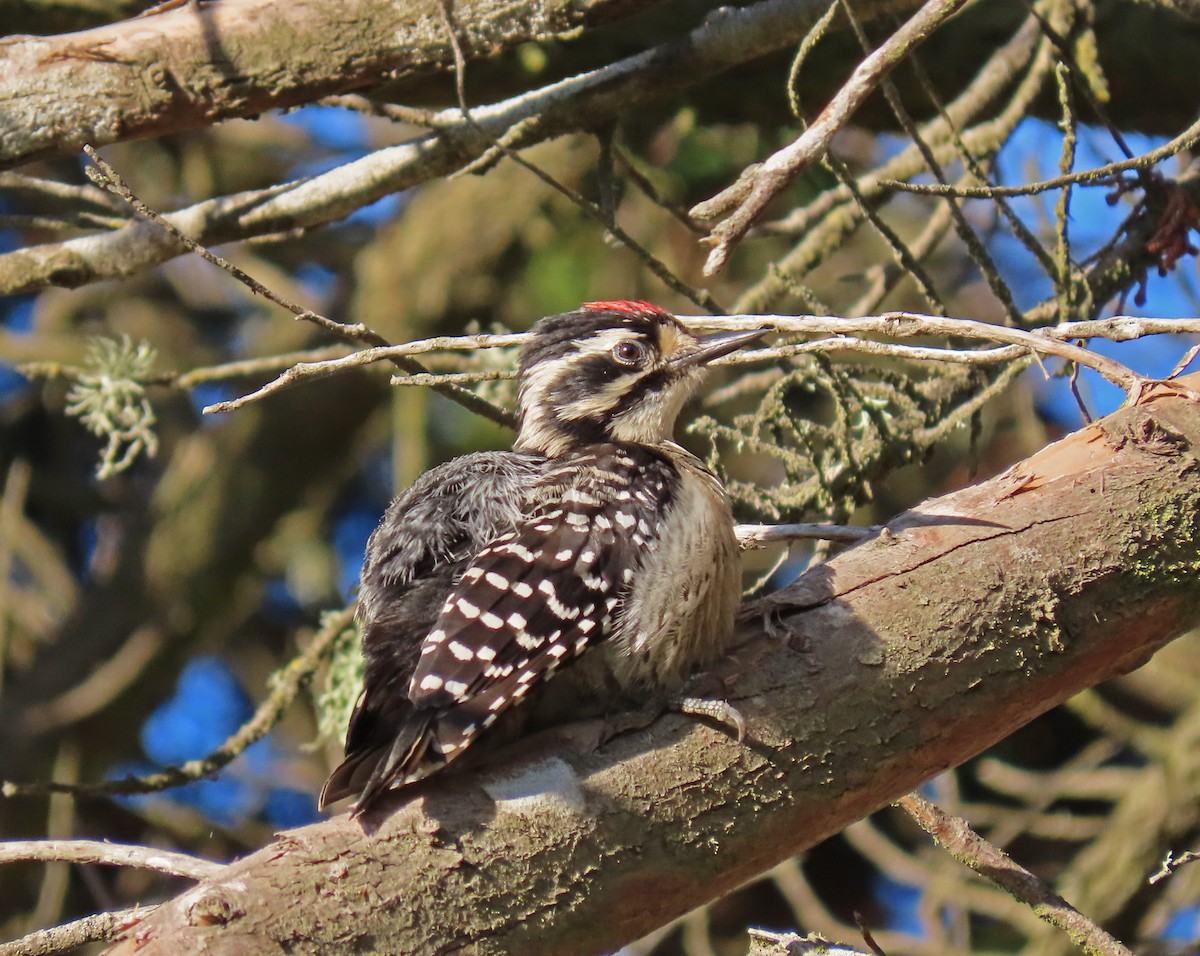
x,y
712,347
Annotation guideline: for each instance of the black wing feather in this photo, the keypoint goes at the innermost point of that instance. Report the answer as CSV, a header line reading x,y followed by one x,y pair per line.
x,y
413,559
540,595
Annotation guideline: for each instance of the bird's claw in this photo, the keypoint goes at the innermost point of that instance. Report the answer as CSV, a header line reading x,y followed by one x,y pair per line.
x,y
721,711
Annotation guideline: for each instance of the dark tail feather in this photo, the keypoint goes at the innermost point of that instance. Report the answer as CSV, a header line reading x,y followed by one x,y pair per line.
x,y
372,772
401,762
346,780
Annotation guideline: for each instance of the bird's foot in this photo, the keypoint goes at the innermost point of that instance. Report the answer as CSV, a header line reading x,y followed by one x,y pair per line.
x,y
716,709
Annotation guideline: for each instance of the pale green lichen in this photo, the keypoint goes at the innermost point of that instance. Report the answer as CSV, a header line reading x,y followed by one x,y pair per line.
x,y
343,681
1162,543
109,399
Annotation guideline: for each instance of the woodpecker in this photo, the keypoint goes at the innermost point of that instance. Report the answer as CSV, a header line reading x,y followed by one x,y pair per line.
x,y
597,552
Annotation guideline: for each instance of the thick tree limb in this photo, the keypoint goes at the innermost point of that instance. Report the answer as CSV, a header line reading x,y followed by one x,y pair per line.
x,y
961,621
185,68
567,106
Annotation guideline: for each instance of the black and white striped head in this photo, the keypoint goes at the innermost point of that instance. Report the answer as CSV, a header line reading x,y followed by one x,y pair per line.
x,y
611,371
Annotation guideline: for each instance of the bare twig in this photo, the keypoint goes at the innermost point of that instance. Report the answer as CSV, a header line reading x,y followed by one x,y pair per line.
x,y
1062,270
743,202
109,854
1050,341
868,938
1185,360
1171,863
108,178
913,353
392,111
753,536
305,371
908,324
430,379
1073,381
60,939
1101,175
970,849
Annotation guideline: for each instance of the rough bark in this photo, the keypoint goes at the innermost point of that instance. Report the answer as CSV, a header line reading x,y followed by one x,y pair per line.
x,y
966,618
186,68
592,98
189,67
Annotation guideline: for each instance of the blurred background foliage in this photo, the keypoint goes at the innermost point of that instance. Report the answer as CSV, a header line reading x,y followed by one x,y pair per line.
x,y
141,614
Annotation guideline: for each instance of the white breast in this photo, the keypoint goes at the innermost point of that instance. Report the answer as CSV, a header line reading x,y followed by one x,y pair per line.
x,y
678,615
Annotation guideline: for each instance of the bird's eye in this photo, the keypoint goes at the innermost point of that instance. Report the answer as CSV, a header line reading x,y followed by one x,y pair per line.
x,y
629,353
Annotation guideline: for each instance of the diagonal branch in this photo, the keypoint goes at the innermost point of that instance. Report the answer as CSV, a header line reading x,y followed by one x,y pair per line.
x,y
742,203
853,702
187,67
969,848
287,683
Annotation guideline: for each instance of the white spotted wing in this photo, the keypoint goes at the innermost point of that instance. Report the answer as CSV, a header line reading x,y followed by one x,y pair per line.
x,y
540,595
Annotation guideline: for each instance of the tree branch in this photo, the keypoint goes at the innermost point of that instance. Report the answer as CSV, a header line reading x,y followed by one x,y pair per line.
x,y
1055,340
110,854
905,655
956,836
577,103
69,936
185,68
741,204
